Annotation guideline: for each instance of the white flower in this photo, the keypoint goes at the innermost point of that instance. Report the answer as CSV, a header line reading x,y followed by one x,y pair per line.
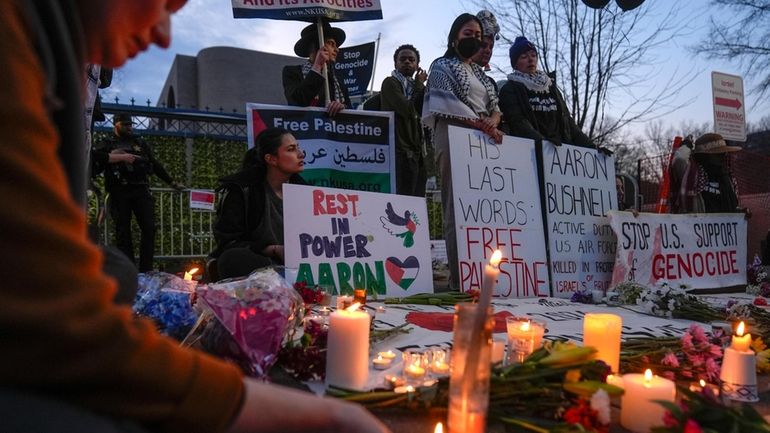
x,y
600,402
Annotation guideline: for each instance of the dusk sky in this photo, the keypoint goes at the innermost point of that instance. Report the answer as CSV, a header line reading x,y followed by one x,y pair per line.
x,y
425,24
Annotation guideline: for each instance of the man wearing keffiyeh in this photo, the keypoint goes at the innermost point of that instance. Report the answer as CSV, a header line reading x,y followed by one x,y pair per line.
x,y
403,93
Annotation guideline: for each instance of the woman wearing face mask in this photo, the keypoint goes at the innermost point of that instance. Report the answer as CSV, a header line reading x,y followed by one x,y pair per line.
x,y
458,93
532,106
249,225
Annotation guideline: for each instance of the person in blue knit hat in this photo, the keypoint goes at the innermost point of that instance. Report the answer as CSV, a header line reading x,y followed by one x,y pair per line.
x,y
532,105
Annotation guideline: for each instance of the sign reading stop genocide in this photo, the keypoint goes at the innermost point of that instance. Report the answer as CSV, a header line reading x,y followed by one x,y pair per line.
x,y
729,111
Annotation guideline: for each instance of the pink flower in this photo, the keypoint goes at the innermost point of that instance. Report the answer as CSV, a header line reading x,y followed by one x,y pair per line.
x,y
670,360
698,334
712,369
687,342
686,373
715,351
669,375
696,359
692,427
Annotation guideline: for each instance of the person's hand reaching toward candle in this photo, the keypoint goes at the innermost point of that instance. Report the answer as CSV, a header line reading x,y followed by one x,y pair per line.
x,y
271,408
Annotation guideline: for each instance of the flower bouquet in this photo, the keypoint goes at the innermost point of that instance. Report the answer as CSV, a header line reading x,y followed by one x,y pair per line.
x,y
168,301
253,315
758,278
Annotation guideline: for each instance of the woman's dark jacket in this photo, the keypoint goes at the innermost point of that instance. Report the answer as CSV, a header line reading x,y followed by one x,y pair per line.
x,y
241,206
521,120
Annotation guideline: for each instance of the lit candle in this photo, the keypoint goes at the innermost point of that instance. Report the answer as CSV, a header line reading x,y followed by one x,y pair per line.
x,y
387,355
638,412
414,371
741,343
491,271
439,428
381,363
403,389
188,276
524,337
602,331
439,367
347,354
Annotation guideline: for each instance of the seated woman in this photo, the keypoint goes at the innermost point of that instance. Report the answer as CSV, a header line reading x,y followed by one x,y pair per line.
x,y
532,106
249,224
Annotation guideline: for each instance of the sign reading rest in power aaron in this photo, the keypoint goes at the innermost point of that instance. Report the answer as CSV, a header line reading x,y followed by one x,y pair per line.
x,y
335,10
353,150
344,240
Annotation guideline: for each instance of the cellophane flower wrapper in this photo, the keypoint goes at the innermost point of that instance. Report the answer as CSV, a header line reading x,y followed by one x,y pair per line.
x,y
257,312
168,301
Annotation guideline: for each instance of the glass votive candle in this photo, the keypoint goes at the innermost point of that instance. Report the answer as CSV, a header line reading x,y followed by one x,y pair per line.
x,y
327,293
415,362
381,363
524,337
380,309
389,354
359,295
393,381
439,362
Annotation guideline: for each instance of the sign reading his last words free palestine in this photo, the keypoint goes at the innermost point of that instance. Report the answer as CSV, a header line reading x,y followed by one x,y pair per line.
x,y
344,239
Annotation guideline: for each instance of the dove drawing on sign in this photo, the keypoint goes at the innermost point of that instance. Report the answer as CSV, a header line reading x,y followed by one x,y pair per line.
x,y
400,226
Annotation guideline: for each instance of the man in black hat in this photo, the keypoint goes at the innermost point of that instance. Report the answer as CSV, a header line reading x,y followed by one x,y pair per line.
x,y
131,162
303,84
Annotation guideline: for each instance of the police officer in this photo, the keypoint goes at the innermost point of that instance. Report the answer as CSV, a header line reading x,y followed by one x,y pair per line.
x,y
130,163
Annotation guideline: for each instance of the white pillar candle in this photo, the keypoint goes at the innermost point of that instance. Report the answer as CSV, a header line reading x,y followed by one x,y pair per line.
x,y
638,412
741,342
347,354
602,331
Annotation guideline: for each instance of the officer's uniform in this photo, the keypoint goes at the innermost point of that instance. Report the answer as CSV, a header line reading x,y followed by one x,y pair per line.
x,y
129,189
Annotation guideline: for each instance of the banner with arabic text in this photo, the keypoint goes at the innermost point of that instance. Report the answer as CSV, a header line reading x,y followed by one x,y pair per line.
x,y
305,10
703,251
352,150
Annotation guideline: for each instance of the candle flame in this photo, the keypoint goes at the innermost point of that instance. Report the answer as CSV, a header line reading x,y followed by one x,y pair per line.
x,y
439,428
409,388
741,329
647,376
353,307
188,275
702,383
496,257
525,326
379,357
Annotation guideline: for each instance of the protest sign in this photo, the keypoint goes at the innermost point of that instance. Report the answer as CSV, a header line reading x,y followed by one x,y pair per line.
x,y
579,191
497,206
354,67
343,239
700,250
202,199
353,150
334,10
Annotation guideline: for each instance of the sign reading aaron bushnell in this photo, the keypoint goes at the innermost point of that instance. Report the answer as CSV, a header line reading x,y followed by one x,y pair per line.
x,y
343,240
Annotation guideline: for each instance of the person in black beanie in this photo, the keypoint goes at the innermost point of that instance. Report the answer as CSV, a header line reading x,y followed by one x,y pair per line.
x,y
532,105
